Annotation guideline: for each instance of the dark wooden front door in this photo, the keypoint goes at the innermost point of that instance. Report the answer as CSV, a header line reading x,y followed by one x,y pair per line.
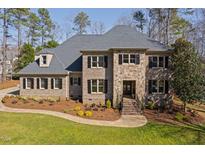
x,y
129,89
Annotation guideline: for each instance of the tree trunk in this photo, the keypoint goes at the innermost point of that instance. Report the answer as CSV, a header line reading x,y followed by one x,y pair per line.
x,y
19,39
4,44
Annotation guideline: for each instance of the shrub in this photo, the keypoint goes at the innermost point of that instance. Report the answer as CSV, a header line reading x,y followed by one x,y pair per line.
x,y
150,105
51,100
65,111
13,101
88,113
108,104
77,108
180,117
41,101
80,113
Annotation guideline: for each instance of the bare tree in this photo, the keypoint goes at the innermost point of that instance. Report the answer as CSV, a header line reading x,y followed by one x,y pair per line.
x,y
97,27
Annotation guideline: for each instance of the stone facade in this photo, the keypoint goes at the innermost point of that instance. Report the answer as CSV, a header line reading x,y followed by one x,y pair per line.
x,y
44,92
124,72
97,73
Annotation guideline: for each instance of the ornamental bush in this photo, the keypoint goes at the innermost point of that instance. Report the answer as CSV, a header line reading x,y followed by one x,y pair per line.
x,y
108,104
88,113
80,113
77,108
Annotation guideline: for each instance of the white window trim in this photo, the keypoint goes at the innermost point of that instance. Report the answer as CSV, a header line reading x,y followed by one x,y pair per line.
x,y
54,81
97,61
40,83
27,83
158,87
158,61
129,58
91,84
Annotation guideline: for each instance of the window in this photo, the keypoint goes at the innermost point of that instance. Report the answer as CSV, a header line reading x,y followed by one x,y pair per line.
x,y
44,59
158,61
101,86
125,58
97,61
57,83
158,86
44,83
94,61
29,83
129,59
97,86
75,81
132,59
161,61
94,86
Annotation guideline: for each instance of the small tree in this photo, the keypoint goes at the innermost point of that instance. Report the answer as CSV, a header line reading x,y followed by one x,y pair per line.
x,y
188,82
26,57
51,44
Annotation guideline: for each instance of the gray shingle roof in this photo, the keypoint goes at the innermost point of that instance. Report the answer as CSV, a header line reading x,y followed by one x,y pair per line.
x,y
121,36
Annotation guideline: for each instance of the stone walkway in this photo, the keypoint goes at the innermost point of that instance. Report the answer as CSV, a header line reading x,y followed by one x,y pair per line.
x,y
124,121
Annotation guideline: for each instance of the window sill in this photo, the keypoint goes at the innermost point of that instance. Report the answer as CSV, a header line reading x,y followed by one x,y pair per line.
x,y
97,93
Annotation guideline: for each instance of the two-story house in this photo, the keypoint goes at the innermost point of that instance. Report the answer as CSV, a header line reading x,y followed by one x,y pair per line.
x,y
120,63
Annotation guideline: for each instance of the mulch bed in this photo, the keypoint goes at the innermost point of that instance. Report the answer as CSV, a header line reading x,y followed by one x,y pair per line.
x,y
68,107
165,117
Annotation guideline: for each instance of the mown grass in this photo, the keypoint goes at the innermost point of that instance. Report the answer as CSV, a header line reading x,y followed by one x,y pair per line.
x,y
17,128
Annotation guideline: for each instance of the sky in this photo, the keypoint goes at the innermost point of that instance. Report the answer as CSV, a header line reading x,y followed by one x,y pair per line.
x,y
64,17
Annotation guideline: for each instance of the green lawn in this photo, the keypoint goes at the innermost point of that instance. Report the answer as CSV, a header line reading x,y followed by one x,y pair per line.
x,y
42,129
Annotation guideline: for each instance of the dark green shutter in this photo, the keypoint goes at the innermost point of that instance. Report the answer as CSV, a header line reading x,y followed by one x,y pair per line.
x,y
105,61
79,81
52,86
166,86
120,59
150,87
71,81
150,62
89,61
61,84
89,86
38,83
167,62
46,84
32,83
105,86
24,83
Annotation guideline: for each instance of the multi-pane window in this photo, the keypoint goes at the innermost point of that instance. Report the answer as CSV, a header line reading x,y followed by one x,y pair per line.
x,y
158,61
43,83
29,83
97,86
94,85
97,61
125,58
44,59
57,83
158,86
129,59
75,81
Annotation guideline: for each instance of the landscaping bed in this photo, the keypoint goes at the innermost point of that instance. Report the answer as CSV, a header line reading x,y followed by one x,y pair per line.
x,y
9,84
176,117
98,112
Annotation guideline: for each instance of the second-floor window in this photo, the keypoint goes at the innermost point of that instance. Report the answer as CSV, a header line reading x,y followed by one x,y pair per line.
x,y
158,61
129,59
44,59
97,61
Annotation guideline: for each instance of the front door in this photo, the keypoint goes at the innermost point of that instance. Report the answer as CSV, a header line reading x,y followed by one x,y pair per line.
x,y
129,89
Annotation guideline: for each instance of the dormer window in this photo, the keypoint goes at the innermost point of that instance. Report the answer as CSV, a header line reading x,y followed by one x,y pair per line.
x,y
44,59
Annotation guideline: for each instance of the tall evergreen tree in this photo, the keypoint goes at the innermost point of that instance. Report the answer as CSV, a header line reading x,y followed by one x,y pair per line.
x,y
33,29
19,19
139,19
46,24
188,82
81,21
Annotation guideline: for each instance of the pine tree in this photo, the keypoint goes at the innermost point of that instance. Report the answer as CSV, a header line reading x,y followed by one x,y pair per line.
x,y
19,19
139,18
46,24
81,21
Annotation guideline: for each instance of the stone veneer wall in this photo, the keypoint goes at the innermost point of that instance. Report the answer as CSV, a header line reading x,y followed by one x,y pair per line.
x,y
134,72
75,90
44,92
97,73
